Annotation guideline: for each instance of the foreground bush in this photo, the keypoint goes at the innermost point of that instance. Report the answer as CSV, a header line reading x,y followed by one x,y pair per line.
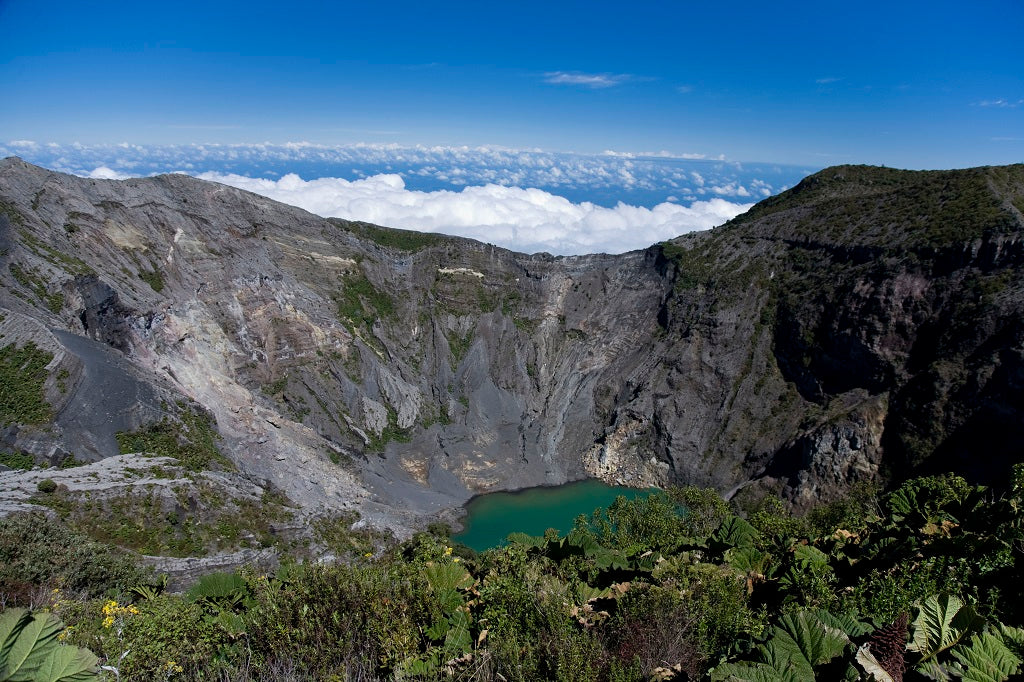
x,y
921,583
36,552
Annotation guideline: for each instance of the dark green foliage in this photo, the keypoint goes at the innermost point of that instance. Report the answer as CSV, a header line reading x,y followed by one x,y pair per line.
x,y
167,629
189,437
645,589
70,462
39,552
153,278
22,375
224,590
360,303
653,522
275,387
403,240
46,486
390,432
459,346
332,619
932,208
17,460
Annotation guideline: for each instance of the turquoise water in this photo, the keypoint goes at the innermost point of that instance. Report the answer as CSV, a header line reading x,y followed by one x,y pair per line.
x,y
490,518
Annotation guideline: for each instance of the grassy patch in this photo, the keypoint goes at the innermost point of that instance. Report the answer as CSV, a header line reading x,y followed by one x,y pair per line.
x,y
459,346
17,460
72,264
359,302
153,278
391,432
335,532
190,438
22,374
12,213
62,378
31,280
402,240
194,520
275,387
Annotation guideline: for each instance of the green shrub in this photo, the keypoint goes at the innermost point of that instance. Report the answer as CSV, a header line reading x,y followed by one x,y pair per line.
x,y
17,460
22,374
46,486
153,278
645,523
165,630
190,437
336,619
38,552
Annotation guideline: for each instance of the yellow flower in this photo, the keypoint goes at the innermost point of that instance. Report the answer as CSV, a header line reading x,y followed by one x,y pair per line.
x,y
447,551
368,555
456,560
111,612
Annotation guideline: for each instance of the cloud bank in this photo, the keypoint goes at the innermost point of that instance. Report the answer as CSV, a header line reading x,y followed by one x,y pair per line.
x,y
642,178
528,220
612,201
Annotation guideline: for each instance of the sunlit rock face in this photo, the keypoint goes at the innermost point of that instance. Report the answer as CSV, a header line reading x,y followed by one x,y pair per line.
x,y
866,323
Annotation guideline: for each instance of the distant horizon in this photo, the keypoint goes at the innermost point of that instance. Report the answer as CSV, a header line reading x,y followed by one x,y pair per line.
x,y
529,201
564,203
6,147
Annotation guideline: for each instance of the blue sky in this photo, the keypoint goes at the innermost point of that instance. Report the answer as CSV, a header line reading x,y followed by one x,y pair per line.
x,y
910,84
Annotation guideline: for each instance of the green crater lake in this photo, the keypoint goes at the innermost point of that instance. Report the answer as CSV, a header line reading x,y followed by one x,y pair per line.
x,y
490,518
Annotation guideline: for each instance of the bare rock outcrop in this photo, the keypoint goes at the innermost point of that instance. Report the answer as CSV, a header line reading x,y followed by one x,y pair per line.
x,y
865,324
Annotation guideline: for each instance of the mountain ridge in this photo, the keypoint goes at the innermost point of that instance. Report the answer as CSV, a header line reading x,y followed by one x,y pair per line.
x,y
865,324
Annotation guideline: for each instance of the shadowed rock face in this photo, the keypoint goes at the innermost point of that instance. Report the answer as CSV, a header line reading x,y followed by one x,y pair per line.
x,y
865,323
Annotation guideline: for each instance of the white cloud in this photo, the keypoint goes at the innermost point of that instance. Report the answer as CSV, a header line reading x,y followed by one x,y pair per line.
x,y
732,189
1001,103
589,80
827,80
593,177
104,173
527,220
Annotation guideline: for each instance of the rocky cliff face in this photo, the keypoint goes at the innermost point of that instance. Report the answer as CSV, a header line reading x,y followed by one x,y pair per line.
x,y
865,323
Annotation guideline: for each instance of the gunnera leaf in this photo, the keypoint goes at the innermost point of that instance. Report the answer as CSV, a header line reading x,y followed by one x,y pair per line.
x,y
985,659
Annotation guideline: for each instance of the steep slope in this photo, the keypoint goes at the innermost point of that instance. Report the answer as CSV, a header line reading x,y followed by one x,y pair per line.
x,y
879,317
866,319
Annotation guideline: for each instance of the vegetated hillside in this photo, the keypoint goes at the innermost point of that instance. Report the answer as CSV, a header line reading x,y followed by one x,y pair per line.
x,y
918,584
865,323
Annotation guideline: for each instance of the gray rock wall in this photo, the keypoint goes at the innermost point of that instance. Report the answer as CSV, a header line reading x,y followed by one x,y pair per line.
x,y
799,348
